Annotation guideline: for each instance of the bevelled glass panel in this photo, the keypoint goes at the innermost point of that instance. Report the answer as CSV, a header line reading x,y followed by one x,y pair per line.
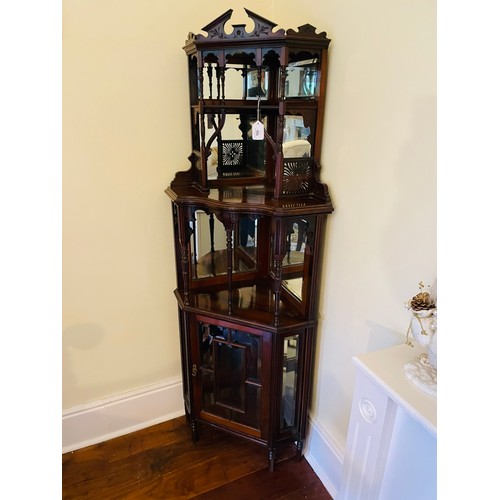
x,y
251,416
294,285
230,148
207,333
208,246
257,84
253,354
234,81
245,252
298,230
302,79
230,375
206,352
290,373
209,403
296,239
296,137
240,81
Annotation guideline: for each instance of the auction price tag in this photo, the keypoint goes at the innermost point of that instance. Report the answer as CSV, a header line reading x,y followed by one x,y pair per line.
x,y
258,131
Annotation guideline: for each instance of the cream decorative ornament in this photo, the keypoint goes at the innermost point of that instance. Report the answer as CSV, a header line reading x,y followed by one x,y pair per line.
x,y
423,330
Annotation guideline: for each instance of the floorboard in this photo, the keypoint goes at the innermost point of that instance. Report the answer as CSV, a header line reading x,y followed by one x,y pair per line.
x,y
162,462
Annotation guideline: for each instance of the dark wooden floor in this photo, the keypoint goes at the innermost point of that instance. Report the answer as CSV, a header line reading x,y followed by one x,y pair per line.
x,y
162,462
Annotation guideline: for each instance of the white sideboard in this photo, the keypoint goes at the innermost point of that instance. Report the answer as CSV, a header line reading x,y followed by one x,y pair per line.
x,y
391,442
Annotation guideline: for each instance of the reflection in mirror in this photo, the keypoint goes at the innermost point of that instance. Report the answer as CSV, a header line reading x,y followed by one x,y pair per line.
x,y
211,80
289,393
245,243
240,81
295,137
232,86
256,89
209,246
246,240
302,78
294,285
293,263
230,375
234,81
296,242
210,75
233,152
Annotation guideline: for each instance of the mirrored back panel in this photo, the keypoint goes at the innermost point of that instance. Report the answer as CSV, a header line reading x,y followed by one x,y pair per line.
x,y
211,244
230,147
298,246
289,384
302,78
239,78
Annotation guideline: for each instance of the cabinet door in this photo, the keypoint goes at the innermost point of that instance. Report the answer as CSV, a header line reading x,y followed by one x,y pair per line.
x,y
231,377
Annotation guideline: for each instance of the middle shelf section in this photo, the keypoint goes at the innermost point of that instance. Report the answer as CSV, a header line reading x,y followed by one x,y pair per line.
x,y
247,263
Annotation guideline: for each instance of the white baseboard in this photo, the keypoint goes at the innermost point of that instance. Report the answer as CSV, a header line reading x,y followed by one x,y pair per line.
x,y
116,416
325,457
119,415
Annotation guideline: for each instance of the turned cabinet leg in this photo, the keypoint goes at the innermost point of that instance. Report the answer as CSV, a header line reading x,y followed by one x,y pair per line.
x,y
194,431
271,457
300,448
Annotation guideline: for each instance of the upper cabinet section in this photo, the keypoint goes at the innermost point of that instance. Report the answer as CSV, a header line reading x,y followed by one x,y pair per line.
x,y
256,107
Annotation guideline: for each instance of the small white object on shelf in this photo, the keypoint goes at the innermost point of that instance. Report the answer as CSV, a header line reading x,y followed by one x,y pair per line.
x,y
422,374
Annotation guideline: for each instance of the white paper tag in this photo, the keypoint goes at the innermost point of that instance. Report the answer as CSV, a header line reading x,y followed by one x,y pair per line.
x,y
258,131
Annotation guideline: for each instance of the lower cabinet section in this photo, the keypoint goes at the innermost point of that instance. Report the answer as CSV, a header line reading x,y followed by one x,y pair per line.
x,y
245,380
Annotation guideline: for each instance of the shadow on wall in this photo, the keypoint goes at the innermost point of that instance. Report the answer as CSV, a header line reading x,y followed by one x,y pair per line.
x,y
82,337
381,337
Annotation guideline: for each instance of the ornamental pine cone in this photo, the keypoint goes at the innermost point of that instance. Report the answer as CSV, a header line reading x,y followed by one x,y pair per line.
x,y
421,302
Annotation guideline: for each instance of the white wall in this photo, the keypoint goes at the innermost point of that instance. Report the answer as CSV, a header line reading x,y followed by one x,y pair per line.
x,y
379,159
125,133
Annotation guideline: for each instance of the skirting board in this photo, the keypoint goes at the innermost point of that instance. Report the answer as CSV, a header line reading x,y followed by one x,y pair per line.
x,y
119,415
99,421
325,457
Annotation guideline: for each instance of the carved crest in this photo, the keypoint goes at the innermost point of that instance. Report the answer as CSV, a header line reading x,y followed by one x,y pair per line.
x,y
263,29
216,29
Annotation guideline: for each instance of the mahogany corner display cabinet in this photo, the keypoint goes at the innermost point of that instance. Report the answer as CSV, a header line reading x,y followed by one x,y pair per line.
x,y
249,217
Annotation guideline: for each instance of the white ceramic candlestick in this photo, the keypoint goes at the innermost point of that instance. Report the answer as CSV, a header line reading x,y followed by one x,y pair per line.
x,y
423,371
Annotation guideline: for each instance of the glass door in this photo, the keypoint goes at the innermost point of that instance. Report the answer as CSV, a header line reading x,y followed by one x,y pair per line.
x,y
229,374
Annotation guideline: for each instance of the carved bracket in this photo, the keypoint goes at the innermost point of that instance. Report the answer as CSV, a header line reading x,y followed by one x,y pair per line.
x,y
307,30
